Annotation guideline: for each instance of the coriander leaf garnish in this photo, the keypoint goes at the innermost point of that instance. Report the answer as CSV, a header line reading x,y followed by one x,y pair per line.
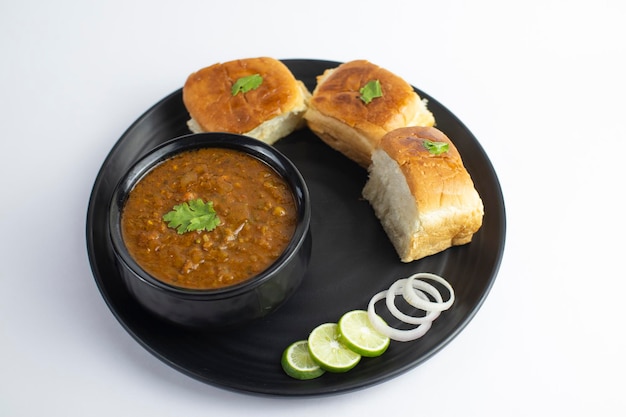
x,y
192,215
245,84
436,148
370,91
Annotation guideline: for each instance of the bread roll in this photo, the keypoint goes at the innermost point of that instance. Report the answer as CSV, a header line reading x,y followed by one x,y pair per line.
x,y
268,112
425,202
339,116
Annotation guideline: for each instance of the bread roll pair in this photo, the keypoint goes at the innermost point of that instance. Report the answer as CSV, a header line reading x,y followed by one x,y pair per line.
x,y
257,97
275,107
417,185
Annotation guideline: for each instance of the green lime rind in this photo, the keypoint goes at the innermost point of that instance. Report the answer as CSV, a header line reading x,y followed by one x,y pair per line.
x,y
297,362
357,333
330,353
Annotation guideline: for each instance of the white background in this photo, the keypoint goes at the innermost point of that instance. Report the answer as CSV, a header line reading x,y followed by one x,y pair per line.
x,y
540,83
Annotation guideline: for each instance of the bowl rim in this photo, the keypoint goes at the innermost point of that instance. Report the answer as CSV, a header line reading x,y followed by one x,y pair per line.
x,y
254,147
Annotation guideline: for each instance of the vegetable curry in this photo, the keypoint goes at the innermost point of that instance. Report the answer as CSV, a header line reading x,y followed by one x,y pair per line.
x,y
244,215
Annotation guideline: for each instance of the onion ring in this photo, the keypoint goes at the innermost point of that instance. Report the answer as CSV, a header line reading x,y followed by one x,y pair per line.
x,y
418,302
398,288
391,332
414,290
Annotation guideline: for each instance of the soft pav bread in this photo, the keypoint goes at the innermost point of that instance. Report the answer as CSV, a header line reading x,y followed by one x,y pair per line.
x,y
257,97
342,115
422,193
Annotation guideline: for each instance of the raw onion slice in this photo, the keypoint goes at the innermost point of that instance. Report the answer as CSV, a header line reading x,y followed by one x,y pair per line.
x,y
398,288
413,299
391,332
414,290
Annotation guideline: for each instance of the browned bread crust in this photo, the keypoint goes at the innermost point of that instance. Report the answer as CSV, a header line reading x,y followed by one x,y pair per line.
x,y
339,116
212,107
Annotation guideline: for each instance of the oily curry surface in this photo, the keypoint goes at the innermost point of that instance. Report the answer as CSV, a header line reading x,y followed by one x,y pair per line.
x,y
255,206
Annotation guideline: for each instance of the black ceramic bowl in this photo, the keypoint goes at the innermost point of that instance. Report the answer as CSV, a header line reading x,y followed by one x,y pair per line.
x,y
228,306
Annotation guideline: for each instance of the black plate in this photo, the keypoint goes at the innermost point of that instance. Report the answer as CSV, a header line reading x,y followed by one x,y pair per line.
x,y
352,260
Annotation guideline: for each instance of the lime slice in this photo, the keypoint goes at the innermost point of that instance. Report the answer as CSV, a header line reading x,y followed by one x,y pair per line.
x,y
329,352
358,334
297,362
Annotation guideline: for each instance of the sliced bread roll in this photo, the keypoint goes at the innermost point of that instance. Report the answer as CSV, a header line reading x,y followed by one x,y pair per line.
x,y
257,97
350,121
422,193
